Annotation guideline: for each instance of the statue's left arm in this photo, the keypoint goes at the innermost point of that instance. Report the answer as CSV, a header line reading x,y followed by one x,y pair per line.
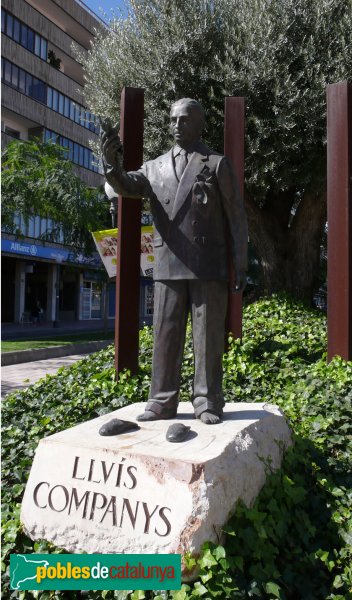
x,y
237,221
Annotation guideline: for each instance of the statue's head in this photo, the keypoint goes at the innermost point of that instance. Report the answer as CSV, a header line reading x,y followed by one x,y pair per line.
x,y
186,121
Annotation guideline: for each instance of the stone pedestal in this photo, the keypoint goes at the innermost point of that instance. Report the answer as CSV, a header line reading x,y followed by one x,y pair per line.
x,y
138,493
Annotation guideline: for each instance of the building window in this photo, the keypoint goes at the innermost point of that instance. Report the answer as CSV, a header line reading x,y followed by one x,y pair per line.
x,y
6,71
87,161
12,132
17,220
37,227
71,110
17,31
43,226
91,300
75,153
23,81
31,227
70,145
49,97
29,84
37,44
43,49
30,40
67,107
9,26
40,91
14,77
61,104
55,105
23,35
37,221
48,136
80,155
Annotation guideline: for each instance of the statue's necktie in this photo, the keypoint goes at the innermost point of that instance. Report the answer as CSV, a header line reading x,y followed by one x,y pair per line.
x,y
181,163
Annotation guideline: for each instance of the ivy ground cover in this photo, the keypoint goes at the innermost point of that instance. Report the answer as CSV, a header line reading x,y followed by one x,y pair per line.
x,y
295,542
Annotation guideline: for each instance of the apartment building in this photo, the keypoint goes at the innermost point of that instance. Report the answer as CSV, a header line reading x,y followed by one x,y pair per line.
x,y
42,85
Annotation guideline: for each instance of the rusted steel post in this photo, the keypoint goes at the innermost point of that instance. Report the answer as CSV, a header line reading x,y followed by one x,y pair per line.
x,y
339,174
234,150
129,237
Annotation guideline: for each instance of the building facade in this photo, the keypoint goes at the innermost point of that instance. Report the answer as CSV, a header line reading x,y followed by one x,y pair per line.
x,y
42,80
42,96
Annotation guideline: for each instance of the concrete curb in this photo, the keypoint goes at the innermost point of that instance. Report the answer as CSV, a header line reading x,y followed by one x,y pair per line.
x,y
23,356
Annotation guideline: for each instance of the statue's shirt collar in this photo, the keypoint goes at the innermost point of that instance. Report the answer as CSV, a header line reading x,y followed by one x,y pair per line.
x,y
176,150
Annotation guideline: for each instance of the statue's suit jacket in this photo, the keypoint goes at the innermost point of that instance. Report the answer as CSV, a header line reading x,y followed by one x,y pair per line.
x,y
190,215
190,267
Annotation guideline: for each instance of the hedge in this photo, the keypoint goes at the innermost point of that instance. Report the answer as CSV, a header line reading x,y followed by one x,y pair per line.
x,y
295,542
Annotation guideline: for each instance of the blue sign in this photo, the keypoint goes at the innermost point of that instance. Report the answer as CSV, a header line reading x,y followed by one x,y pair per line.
x,y
146,219
58,255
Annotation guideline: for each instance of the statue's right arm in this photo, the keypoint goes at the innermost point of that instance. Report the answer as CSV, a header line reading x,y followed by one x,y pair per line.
x,y
132,184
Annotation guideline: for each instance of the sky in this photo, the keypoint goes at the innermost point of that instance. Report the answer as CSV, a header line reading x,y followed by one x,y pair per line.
x,y
106,5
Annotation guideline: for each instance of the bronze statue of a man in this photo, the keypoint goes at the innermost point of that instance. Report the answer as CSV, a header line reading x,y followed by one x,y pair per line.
x,y
193,195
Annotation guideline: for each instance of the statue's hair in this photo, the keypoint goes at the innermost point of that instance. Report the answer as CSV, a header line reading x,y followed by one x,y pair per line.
x,y
193,104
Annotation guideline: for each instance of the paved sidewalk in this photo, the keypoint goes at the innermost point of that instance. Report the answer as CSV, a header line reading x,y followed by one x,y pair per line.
x,y
18,377
16,331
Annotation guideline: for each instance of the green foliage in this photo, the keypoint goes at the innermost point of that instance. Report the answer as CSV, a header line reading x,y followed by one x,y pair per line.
x,y
295,542
38,179
279,55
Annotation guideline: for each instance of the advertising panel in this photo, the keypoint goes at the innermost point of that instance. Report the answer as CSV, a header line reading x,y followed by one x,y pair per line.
x,y
106,244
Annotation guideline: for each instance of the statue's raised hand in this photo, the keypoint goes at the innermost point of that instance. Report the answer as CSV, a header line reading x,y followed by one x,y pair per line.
x,y
111,145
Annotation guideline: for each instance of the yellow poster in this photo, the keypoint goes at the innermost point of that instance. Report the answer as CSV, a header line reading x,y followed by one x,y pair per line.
x,y
106,244
147,251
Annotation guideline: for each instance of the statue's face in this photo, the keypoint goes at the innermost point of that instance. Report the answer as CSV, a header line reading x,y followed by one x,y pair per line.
x,y
186,125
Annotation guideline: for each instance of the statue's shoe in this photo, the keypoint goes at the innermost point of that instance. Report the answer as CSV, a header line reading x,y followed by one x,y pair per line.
x,y
210,417
117,426
177,432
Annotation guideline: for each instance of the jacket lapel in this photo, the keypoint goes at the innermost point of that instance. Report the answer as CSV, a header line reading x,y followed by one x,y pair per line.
x,y
167,169
194,167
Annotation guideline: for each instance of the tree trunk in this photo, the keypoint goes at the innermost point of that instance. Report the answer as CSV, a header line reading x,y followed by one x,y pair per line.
x,y
287,246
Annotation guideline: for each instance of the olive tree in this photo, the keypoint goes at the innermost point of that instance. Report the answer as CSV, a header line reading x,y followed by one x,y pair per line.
x,y
280,55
